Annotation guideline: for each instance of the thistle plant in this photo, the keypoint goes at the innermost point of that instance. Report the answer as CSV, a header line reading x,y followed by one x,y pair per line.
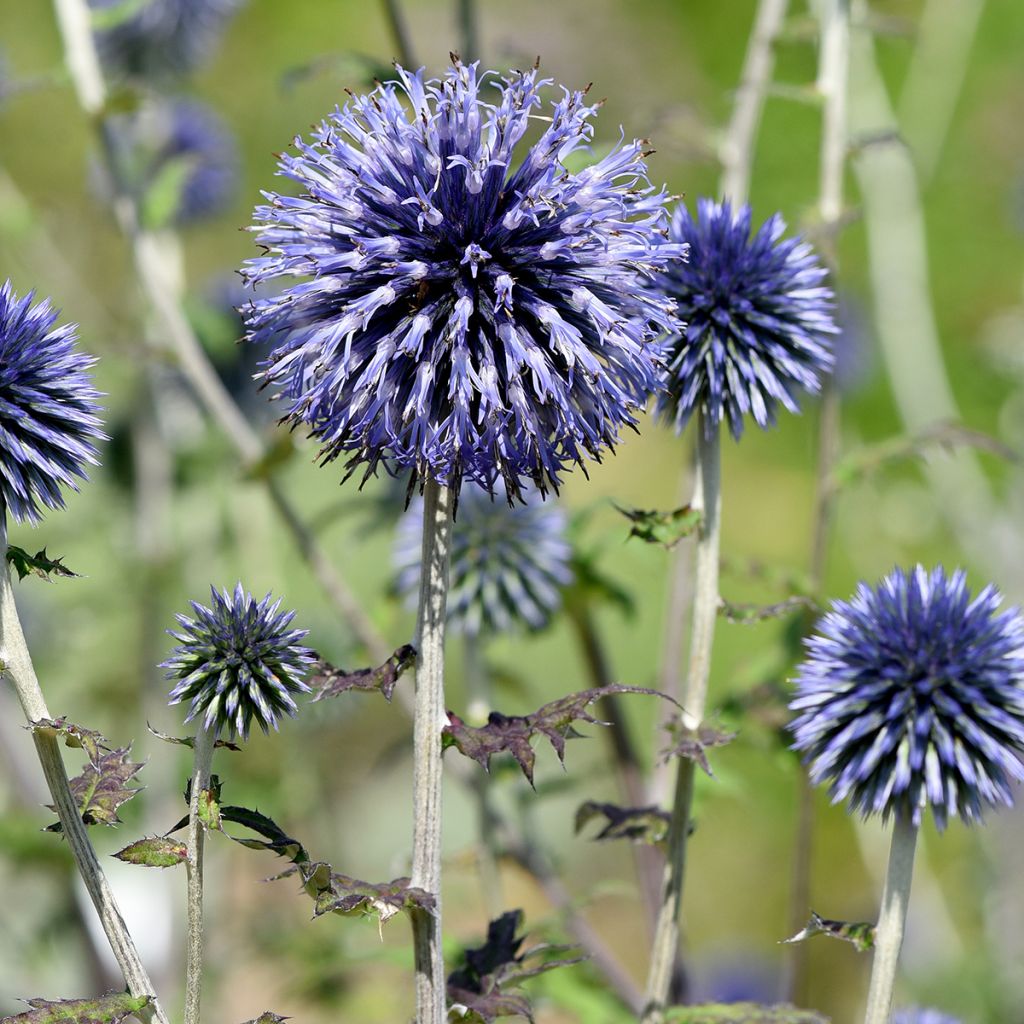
x,y
911,698
236,662
473,311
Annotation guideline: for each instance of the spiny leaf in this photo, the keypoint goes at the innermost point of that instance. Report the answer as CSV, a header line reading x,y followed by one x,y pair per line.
x,y
512,734
275,839
39,564
860,933
76,736
693,743
642,824
106,1009
486,986
664,528
102,787
745,614
190,741
154,852
742,1013
268,1017
328,681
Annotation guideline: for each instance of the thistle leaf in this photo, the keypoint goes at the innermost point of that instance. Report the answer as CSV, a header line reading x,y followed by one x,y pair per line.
x,y
694,743
103,787
860,933
742,1013
268,1017
642,824
154,852
746,614
664,528
335,893
39,564
75,736
106,1009
190,741
328,681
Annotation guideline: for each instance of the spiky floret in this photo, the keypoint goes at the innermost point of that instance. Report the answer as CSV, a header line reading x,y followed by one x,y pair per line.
x,y
509,562
758,320
912,695
48,407
238,661
459,302
163,36
923,1015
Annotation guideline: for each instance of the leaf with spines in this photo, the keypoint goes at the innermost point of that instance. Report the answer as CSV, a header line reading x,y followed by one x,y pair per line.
x,y
154,852
106,1009
275,839
641,824
75,736
486,986
328,681
190,741
861,934
268,1017
694,743
742,1013
40,564
103,787
746,614
664,528
512,734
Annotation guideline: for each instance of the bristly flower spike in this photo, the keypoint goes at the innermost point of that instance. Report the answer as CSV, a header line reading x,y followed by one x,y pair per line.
x,y
912,696
238,662
759,320
457,301
49,422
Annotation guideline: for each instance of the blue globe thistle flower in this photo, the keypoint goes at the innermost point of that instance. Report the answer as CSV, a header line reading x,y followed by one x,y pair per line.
x,y
758,320
509,562
48,407
921,1015
238,661
164,37
473,309
912,695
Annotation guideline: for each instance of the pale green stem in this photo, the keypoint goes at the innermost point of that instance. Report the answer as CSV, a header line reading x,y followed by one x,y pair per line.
x,y
891,921
708,498
206,737
16,665
429,719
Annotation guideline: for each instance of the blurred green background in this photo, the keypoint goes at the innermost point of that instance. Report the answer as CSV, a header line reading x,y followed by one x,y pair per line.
x,y
338,776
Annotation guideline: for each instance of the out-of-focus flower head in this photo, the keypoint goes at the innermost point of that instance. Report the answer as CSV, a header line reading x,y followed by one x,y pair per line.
x,y
459,303
156,38
238,661
758,320
49,422
923,1015
912,696
508,565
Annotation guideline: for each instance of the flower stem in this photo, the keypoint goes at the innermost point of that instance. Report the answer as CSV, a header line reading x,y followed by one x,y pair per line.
x,y
204,743
708,498
16,664
430,718
891,921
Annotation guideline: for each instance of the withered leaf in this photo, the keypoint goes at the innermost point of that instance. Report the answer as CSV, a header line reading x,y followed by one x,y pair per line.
x,y
860,933
328,681
106,1009
103,787
154,852
75,736
641,824
693,743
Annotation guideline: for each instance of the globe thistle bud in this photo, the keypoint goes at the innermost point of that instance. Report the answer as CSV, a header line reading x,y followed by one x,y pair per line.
x,y
48,407
912,695
922,1015
758,320
238,661
471,307
508,564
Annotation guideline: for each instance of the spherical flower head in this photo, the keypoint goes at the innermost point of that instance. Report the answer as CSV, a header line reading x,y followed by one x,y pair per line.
x,y
758,320
238,661
48,407
912,695
922,1015
163,37
473,308
509,562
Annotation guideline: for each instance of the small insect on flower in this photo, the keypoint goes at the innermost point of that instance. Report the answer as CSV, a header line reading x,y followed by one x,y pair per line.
x,y
238,661
48,407
912,696
758,320
456,300
509,563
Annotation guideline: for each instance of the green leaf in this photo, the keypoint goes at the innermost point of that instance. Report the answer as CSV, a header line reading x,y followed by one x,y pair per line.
x,y
190,741
209,809
39,564
746,614
103,787
860,933
328,681
275,839
106,1009
512,734
664,528
641,824
154,852
693,743
742,1013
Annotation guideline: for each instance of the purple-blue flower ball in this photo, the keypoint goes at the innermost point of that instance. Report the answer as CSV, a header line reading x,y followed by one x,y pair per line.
x,y
912,696
457,301
922,1015
237,662
758,320
49,422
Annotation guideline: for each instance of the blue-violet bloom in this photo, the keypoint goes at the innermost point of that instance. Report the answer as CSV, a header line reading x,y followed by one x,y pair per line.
x,y
458,301
923,1015
238,661
758,320
912,695
49,422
